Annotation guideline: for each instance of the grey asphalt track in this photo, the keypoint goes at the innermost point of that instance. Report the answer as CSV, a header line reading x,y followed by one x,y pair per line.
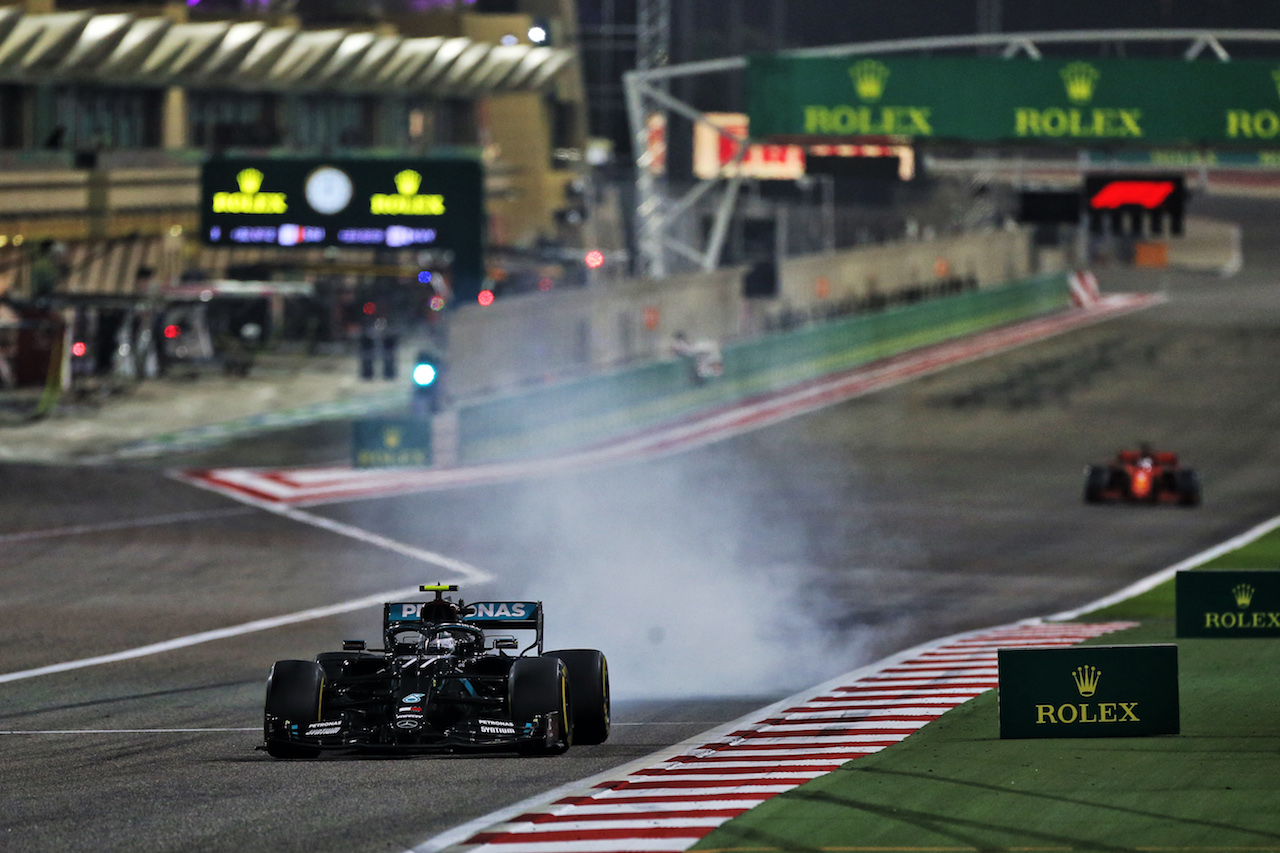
x,y
715,580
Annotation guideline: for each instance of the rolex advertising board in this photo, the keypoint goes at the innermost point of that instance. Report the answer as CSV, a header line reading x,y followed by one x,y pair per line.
x,y
1220,603
1088,691
985,99
403,203
390,442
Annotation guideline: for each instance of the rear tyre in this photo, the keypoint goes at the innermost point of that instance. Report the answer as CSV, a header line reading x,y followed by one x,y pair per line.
x,y
540,687
588,693
1096,478
1188,485
293,696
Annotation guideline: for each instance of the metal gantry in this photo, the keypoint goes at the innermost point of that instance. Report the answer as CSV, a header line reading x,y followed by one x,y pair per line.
x,y
648,91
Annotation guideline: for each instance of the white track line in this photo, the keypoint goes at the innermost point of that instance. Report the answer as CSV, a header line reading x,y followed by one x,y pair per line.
x,y
692,746
82,529
470,574
589,823
974,644
1153,581
216,634
123,731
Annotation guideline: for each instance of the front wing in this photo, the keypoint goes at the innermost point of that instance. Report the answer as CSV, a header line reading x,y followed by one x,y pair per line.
x,y
474,735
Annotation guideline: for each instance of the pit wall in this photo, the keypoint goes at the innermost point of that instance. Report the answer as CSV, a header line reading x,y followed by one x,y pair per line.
x,y
566,415
551,337
989,258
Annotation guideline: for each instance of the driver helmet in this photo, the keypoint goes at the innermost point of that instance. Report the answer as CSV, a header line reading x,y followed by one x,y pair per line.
x,y
441,644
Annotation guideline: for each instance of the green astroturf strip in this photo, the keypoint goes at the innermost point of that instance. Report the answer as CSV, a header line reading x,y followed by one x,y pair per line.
x,y
1158,603
956,786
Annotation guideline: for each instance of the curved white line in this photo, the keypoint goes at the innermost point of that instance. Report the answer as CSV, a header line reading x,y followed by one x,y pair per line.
x,y
1152,581
122,731
470,573
216,634
125,524
459,834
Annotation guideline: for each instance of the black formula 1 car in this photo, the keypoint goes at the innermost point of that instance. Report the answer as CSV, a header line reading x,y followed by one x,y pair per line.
x,y
1142,476
450,678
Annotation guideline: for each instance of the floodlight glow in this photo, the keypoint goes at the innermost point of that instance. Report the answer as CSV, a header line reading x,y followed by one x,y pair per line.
x,y
424,375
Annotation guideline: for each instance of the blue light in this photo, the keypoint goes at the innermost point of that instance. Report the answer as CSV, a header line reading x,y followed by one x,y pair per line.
x,y
424,277
424,375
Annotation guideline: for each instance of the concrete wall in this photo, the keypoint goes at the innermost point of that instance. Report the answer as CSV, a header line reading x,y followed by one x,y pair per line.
x,y
524,340
1207,244
546,337
989,257
563,415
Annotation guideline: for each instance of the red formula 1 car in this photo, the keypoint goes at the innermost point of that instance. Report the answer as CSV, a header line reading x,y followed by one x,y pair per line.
x,y
1142,476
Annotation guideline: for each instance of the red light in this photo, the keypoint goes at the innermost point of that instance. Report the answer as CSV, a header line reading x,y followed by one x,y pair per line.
x,y
171,331
437,303
78,349
594,259
369,308
1148,194
485,297
545,284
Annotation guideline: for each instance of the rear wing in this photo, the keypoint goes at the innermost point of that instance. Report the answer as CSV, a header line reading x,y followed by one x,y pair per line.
x,y
509,615
504,616
492,617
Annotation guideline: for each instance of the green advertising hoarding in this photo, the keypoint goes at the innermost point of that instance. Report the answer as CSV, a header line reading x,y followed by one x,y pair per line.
x,y
390,443
1089,691
1221,603
1078,102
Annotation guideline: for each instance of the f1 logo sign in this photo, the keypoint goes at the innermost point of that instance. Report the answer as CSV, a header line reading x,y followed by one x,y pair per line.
x,y
1148,194
1134,204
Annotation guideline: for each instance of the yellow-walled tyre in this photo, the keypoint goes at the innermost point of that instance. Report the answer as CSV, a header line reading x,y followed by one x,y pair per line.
x,y
589,689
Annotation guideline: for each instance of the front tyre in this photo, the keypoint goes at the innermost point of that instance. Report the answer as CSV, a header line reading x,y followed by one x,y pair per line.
x,y
588,693
293,696
1096,479
539,687
1187,483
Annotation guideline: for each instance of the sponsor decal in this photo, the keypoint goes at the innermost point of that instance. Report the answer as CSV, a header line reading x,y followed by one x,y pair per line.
x,y
1086,680
408,724
503,610
249,199
388,459
404,612
1099,691
1228,603
870,78
322,728
1255,124
413,697
406,201
1079,80
496,727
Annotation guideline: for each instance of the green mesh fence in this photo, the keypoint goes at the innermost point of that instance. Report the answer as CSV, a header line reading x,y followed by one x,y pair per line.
x,y
572,414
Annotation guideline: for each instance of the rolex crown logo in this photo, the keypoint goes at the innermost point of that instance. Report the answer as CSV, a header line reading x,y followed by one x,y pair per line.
x,y
250,181
1086,679
869,77
391,437
407,182
1079,78
1243,593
